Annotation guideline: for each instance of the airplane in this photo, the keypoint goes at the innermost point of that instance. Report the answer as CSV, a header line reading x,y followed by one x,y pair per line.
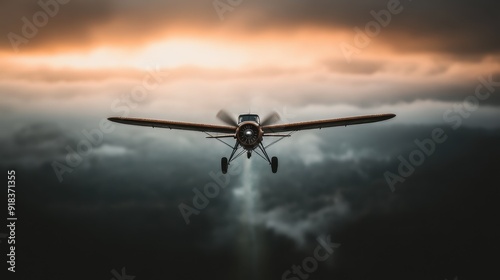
x,y
249,131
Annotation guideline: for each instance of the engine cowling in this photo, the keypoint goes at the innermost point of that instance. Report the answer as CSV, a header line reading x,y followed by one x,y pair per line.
x,y
249,135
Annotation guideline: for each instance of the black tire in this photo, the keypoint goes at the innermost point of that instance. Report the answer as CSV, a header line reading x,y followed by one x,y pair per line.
x,y
274,164
223,165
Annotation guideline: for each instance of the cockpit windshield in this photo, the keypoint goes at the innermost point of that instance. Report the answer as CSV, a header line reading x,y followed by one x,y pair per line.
x,y
248,117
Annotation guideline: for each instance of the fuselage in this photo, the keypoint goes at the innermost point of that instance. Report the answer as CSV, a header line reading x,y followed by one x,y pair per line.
x,y
249,133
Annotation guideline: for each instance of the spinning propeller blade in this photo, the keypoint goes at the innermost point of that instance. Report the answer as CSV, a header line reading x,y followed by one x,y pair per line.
x,y
226,118
271,118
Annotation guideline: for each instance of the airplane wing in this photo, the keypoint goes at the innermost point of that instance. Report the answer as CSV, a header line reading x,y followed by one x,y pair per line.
x,y
176,125
325,123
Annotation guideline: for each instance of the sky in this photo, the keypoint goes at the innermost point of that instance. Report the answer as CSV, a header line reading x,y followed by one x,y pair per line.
x,y
413,197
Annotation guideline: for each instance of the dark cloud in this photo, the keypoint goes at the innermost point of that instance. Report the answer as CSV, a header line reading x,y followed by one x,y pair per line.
x,y
122,211
451,27
35,143
83,24
73,22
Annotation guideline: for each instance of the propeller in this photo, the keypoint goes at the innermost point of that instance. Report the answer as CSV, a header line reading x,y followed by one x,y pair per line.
x,y
271,118
226,117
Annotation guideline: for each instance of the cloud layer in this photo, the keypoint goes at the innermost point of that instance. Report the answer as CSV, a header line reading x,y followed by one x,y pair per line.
x,y
417,26
121,208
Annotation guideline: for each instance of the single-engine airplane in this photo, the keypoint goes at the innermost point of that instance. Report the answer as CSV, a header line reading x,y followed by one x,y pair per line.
x,y
249,131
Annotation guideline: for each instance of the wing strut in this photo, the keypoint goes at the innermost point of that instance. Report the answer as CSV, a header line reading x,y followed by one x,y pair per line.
x,y
218,139
281,138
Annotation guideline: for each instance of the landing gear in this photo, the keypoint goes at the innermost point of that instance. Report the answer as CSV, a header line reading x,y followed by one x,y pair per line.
x,y
223,165
272,161
260,150
274,164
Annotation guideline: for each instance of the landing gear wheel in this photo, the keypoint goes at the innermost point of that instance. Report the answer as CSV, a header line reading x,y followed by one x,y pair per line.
x,y
274,164
249,154
223,165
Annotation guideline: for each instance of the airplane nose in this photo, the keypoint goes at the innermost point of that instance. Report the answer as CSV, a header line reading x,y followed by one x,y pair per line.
x,y
248,132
